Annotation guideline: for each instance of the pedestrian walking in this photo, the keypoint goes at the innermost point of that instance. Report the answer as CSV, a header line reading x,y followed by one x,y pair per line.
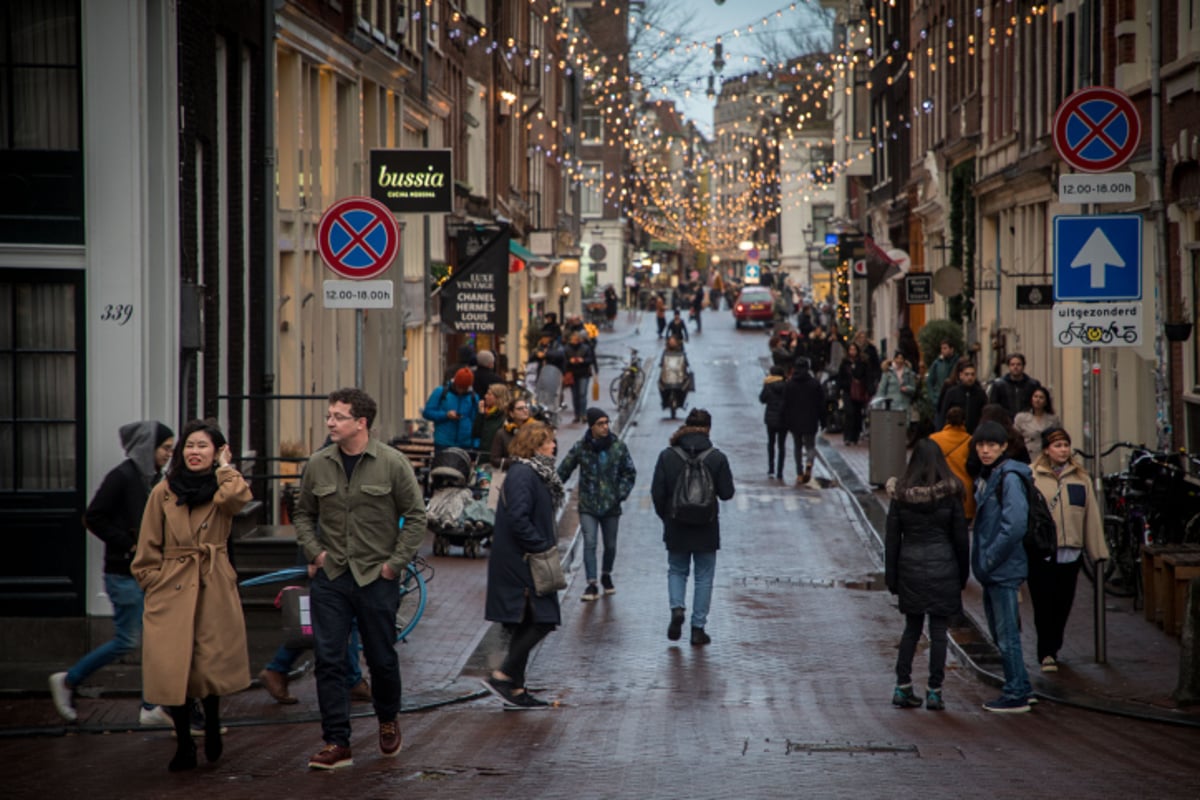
x,y
491,415
610,307
531,495
1067,487
854,380
955,444
1039,416
697,307
195,633
771,396
898,385
451,408
677,328
660,314
998,558
1014,389
690,515
606,477
937,375
372,520
803,416
962,389
581,360
115,517
485,373
926,564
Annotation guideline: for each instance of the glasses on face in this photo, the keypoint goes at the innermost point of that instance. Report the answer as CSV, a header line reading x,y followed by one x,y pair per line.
x,y
338,417
520,408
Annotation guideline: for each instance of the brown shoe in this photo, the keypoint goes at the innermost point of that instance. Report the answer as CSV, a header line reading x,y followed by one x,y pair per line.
x,y
390,738
276,684
331,756
360,692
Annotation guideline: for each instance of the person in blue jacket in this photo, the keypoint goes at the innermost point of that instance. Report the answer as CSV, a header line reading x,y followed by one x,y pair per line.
x,y
998,557
451,408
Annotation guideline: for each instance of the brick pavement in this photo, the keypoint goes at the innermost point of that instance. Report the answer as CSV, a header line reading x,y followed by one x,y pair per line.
x,y
1142,666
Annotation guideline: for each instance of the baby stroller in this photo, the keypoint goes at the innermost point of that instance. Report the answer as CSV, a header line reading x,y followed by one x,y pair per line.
x,y
834,417
456,514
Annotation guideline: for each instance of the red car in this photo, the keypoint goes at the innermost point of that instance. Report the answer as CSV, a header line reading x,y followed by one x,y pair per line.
x,y
754,304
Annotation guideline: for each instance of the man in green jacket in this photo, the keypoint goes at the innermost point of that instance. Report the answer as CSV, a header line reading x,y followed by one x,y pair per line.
x,y
372,520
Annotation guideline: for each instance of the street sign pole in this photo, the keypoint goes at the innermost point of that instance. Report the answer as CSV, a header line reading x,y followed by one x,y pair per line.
x,y
1091,359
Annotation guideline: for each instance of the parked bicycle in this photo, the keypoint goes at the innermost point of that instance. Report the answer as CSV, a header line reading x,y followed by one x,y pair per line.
x,y
626,387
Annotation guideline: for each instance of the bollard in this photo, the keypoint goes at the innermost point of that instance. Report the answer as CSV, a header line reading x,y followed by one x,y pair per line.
x,y
1187,692
1100,634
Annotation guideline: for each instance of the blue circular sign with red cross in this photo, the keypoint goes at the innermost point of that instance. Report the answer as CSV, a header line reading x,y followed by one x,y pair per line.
x,y
1097,129
358,238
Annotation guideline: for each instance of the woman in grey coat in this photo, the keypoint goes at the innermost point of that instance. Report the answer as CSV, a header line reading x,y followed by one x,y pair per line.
x,y
525,515
927,561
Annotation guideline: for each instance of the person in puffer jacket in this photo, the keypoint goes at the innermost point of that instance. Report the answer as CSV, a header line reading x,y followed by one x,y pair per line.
x,y
772,397
926,564
452,408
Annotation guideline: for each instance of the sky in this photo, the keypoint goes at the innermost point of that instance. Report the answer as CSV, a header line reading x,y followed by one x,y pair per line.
x,y
739,23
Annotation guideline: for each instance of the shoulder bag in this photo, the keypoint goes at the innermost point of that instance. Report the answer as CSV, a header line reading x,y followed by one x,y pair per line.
x,y
545,568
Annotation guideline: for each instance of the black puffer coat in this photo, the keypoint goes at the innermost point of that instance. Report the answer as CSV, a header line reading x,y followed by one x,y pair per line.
x,y
678,535
772,396
926,551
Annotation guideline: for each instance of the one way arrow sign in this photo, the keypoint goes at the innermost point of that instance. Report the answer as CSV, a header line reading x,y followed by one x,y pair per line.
x,y
1098,258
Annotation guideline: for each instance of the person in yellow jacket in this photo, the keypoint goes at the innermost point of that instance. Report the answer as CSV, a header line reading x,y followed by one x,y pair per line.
x,y
956,446
1067,488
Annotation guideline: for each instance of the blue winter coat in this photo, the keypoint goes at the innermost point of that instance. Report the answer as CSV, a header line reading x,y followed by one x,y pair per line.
x,y
524,524
998,551
452,432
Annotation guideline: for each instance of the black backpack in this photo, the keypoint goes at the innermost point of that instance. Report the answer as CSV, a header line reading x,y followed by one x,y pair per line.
x,y
1041,532
694,500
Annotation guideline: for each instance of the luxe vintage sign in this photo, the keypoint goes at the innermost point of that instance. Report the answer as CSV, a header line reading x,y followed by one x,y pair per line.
x,y
474,299
413,181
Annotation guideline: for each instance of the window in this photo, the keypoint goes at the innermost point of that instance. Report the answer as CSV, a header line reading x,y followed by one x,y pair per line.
x,y
821,215
592,127
591,189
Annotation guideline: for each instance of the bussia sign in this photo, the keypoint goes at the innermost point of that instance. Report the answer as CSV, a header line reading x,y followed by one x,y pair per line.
x,y
413,181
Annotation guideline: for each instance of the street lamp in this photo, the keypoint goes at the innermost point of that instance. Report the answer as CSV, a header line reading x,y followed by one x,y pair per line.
x,y
562,302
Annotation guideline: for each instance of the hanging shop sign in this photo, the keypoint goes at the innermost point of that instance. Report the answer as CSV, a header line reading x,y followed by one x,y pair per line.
x,y
413,181
474,299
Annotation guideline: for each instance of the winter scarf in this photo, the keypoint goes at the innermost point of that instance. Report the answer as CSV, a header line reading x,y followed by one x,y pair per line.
x,y
544,467
193,488
601,444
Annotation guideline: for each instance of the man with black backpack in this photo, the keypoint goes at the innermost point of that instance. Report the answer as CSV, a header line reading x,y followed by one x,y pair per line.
x,y
690,477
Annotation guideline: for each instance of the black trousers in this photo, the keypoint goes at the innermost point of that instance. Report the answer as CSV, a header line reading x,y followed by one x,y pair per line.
x,y
776,439
524,636
1052,590
938,643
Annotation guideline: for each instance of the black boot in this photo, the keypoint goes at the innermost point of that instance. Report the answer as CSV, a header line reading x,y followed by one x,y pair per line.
x,y
185,748
212,727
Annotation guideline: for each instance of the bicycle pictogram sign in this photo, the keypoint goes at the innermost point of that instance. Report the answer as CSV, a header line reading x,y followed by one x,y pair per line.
x,y
1097,129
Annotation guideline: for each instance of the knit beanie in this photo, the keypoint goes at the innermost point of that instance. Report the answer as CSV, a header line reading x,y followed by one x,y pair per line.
x,y
161,434
594,415
990,432
464,379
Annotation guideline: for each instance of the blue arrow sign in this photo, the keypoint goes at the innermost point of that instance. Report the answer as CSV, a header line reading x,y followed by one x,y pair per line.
x,y
1098,257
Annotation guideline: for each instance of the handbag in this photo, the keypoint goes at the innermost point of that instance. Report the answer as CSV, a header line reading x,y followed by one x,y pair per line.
x,y
297,617
858,391
568,378
546,569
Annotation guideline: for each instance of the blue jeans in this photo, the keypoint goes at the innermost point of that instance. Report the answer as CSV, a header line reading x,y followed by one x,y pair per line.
x,y
579,395
678,565
1003,616
608,526
285,658
335,604
127,601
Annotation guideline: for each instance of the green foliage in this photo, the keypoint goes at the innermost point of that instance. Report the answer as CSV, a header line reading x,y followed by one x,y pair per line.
x,y
438,270
931,336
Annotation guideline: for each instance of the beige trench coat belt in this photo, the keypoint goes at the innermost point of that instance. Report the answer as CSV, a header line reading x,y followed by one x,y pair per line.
x,y
198,552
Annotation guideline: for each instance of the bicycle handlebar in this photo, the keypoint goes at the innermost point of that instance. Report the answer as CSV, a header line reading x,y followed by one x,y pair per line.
x,y
1114,446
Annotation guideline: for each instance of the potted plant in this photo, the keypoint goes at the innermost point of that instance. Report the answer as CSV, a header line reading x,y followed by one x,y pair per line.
x,y
1178,330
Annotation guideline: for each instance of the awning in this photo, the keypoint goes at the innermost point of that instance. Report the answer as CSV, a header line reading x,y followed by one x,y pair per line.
x,y
520,257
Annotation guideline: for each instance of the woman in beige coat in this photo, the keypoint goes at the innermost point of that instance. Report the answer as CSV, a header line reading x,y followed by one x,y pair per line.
x,y
1068,491
194,642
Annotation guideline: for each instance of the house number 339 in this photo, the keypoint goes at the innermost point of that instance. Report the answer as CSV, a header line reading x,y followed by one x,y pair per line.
x,y
119,314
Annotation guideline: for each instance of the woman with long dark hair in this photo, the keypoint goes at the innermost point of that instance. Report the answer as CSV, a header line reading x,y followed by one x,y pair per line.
x,y
853,378
927,562
531,494
195,633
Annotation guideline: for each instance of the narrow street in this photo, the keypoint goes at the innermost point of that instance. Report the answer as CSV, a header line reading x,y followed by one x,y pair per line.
x,y
792,698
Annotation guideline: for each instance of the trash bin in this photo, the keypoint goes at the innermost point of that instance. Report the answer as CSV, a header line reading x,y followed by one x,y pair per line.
x,y
889,445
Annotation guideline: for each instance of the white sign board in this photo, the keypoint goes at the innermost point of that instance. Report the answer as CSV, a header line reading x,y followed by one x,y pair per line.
x,y
1107,187
1097,324
358,294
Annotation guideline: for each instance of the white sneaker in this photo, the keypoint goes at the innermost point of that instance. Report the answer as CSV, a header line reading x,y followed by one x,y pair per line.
x,y
63,697
155,716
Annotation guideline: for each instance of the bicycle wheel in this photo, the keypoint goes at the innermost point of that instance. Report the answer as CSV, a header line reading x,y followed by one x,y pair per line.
x,y
413,595
614,389
1122,571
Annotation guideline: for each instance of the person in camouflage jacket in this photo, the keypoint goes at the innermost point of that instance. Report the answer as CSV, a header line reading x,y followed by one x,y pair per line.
x,y
606,477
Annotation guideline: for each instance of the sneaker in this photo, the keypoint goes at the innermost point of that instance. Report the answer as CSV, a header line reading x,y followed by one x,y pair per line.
x,y
331,756
590,593
807,475
1007,705
933,700
699,637
527,702
502,689
276,684
675,629
63,697
154,716
904,697
390,738
607,584
1032,700
360,692
1049,664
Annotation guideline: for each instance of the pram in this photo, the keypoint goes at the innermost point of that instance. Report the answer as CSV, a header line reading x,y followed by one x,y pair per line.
x,y
457,512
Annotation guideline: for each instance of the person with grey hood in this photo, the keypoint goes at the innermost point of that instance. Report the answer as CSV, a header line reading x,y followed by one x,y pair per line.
x,y
115,517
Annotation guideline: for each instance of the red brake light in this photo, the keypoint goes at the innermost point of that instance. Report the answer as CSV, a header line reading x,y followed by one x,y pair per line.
x,y
739,308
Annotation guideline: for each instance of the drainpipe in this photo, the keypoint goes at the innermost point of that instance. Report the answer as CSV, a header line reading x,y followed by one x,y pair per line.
x,y
270,333
1162,396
